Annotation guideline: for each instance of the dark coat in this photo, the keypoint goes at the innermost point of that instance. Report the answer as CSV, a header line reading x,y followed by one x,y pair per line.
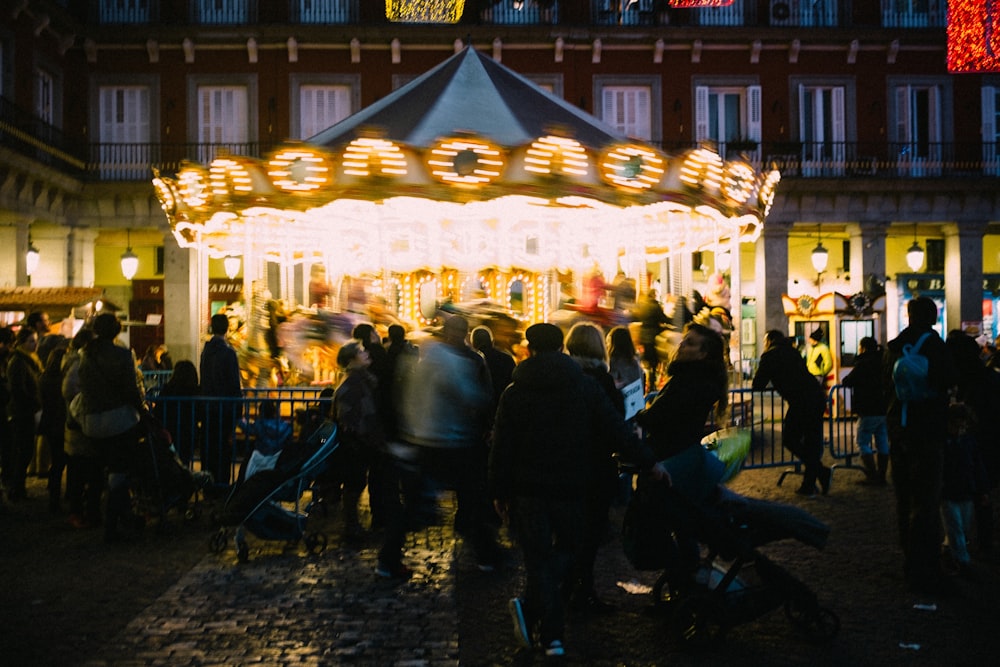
x,y
24,376
220,369
676,418
784,369
930,417
550,419
868,399
109,377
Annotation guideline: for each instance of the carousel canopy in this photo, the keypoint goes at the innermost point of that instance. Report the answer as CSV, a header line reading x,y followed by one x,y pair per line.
x,y
476,95
469,166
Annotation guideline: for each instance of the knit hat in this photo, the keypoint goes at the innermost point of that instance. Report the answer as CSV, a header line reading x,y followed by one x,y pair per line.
x,y
544,337
816,335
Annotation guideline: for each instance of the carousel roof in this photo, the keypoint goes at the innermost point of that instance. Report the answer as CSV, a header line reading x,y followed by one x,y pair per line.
x,y
468,166
470,93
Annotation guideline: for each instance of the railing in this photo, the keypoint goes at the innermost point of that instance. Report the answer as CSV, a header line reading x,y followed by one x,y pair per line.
x,y
816,13
914,13
223,12
112,12
323,11
210,433
521,12
624,12
32,137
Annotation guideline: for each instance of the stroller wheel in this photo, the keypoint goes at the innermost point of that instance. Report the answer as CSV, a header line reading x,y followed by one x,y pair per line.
x,y
218,542
698,621
818,624
315,542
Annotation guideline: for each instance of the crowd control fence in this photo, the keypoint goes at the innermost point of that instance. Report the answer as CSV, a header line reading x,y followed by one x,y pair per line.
x,y
212,433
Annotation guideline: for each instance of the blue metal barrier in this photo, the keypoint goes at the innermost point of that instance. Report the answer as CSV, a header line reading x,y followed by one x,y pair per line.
x,y
207,433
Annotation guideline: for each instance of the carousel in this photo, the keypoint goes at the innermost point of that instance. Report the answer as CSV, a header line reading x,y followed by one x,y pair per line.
x,y
469,185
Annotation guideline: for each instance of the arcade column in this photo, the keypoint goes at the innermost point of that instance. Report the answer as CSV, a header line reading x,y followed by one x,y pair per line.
x,y
185,300
963,272
771,276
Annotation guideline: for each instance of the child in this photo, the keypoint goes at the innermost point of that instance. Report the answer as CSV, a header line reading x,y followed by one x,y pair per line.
x,y
270,433
964,477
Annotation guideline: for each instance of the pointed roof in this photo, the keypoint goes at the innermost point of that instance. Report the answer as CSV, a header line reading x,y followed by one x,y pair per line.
x,y
473,93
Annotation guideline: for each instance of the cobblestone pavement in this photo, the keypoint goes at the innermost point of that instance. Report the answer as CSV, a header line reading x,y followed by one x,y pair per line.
x,y
288,607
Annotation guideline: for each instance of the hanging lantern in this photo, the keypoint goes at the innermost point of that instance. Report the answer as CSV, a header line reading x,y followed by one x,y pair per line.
x,y
632,166
738,182
299,170
465,162
557,156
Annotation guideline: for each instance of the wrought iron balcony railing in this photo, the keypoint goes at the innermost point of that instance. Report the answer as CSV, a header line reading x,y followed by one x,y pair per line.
x,y
748,13
323,11
135,162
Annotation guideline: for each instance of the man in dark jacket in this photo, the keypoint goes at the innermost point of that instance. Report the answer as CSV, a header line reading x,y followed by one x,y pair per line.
x,y
783,368
868,402
548,419
220,378
916,449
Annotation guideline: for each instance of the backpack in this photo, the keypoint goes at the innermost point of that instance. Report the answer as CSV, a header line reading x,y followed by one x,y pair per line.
x,y
909,375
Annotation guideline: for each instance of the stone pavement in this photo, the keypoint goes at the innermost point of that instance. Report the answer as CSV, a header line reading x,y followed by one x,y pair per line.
x,y
287,607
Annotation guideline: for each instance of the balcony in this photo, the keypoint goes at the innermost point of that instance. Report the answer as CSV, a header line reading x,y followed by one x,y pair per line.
x,y
625,12
522,12
914,13
323,12
135,162
223,12
121,12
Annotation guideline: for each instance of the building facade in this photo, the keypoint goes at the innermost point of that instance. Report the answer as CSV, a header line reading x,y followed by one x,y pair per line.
x,y
880,147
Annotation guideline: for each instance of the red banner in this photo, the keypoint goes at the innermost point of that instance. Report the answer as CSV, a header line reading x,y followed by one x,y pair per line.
x,y
687,4
973,36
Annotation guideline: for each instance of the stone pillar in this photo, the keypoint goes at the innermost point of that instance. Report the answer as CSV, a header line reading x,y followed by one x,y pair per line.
x,y
963,273
80,256
184,301
771,276
21,235
53,250
868,263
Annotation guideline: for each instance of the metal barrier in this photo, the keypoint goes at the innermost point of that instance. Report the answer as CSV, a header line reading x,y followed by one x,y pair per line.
x,y
207,431
210,433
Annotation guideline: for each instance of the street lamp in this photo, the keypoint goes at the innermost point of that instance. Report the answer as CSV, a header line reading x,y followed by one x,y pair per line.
x,y
130,261
820,257
915,255
232,266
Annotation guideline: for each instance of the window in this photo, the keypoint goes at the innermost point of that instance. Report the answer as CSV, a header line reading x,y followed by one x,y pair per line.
x,y
622,12
325,11
221,121
124,11
991,129
630,105
822,130
44,92
626,108
124,113
729,116
322,106
224,11
918,128
913,13
319,101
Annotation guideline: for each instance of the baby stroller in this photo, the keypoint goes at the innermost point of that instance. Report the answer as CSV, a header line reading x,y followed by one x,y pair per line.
x,y
726,581
159,480
257,504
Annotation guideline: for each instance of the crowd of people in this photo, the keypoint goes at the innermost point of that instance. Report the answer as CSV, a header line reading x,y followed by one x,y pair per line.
x,y
529,441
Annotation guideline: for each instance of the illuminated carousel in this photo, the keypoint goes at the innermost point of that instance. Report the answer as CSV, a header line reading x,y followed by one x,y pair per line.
x,y
470,182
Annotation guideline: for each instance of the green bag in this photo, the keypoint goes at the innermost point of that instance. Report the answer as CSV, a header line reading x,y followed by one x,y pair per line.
x,y
731,446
